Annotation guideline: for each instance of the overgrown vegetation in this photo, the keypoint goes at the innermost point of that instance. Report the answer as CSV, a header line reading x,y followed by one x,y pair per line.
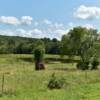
x,y
23,82
95,64
39,56
81,41
56,82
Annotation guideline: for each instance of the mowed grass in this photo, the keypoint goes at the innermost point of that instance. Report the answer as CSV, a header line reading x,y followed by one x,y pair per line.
x,y
22,82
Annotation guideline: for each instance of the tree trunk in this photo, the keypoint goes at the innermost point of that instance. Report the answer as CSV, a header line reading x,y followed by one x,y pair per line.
x,y
39,65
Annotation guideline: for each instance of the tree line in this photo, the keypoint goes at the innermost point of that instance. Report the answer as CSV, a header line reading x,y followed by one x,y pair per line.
x,y
22,45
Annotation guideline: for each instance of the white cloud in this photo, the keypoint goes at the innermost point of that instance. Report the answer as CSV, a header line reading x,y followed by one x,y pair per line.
x,y
89,26
22,31
87,12
35,33
9,20
58,25
60,31
46,21
44,28
7,32
26,20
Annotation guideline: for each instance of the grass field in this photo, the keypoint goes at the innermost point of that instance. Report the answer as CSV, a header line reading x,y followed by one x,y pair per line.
x,y
22,82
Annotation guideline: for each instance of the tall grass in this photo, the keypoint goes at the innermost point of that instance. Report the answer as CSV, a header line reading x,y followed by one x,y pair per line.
x,y
22,82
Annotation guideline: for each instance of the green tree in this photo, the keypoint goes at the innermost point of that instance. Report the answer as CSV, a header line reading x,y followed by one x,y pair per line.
x,y
39,56
11,46
80,41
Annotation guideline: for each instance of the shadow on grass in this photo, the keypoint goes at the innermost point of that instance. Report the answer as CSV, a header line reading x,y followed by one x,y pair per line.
x,y
26,59
50,60
65,69
8,93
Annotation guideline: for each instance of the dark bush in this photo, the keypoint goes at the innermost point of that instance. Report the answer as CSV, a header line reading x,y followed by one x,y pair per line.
x,y
83,65
55,82
39,53
94,64
39,58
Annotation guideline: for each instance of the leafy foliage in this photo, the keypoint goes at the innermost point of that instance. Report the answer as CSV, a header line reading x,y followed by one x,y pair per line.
x,y
80,41
95,64
39,53
55,82
39,56
83,65
22,45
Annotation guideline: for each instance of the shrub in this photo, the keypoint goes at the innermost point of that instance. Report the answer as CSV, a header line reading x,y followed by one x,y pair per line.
x,y
39,53
94,64
83,65
56,83
39,58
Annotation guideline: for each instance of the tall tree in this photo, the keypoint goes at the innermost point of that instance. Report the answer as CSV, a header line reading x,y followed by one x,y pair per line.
x,y
39,56
80,41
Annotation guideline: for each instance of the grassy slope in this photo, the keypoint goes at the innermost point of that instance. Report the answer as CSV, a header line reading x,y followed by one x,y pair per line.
x,y
22,82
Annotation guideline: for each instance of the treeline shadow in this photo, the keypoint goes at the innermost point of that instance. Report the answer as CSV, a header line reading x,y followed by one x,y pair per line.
x,y
65,69
26,59
50,60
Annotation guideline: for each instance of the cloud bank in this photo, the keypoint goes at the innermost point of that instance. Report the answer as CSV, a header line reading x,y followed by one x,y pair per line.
x,y
87,12
11,20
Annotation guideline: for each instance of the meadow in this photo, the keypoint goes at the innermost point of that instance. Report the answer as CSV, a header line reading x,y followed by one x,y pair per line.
x,y
22,82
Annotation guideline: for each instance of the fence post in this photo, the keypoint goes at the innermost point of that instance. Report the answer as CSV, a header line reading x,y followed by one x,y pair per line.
x,y
3,83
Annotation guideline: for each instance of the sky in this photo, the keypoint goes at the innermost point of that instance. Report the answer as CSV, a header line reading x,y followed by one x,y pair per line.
x,y
47,18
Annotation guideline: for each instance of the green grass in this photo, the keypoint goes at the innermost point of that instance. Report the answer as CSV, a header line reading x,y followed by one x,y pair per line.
x,y
22,82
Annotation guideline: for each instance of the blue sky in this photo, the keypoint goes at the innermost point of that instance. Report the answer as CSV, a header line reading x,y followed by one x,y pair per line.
x,y
47,18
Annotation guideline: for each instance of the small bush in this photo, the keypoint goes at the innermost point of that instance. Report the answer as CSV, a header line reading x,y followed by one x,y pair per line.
x,y
94,64
39,58
39,53
83,65
56,83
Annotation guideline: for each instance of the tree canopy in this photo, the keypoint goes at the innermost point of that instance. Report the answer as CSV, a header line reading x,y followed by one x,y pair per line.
x,y
80,42
22,45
